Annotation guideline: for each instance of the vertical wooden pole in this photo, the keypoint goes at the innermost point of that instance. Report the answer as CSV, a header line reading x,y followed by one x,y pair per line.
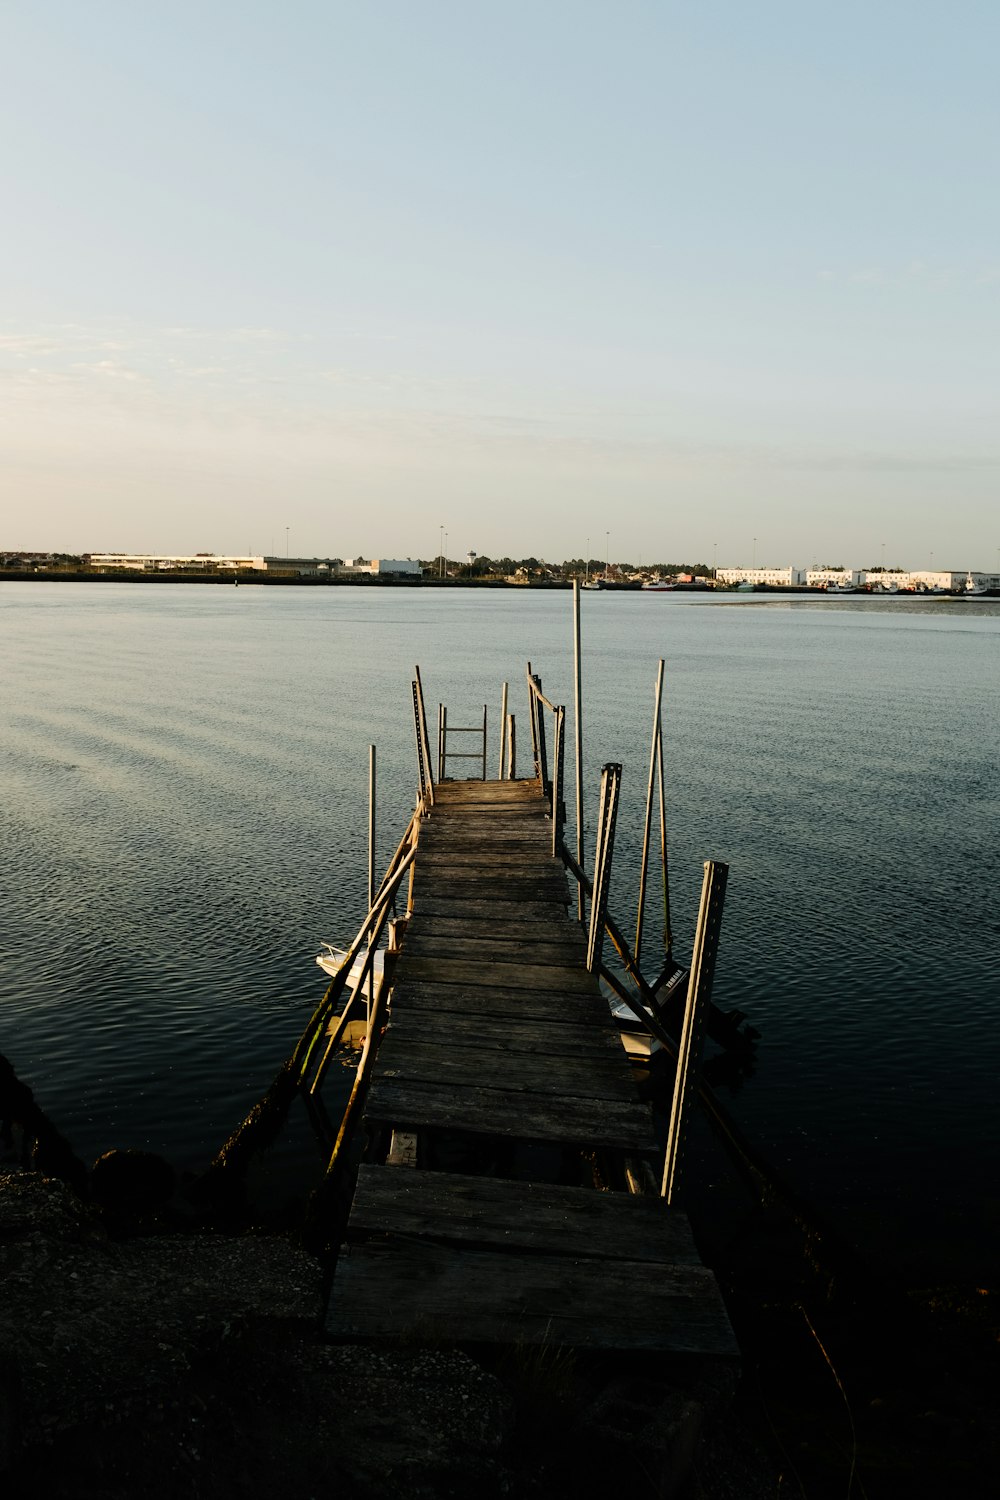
x,y
511,748
371,865
611,780
371,826
557,780
484,741
503,731
578,731
440,742
706,946
647,826
668,932
538,731
532,719
423,770
424,748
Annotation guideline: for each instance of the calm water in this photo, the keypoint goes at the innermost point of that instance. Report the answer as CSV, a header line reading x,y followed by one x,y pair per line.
x,y
184,819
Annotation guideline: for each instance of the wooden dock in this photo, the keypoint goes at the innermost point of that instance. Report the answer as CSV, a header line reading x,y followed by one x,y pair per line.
x,y
499,1072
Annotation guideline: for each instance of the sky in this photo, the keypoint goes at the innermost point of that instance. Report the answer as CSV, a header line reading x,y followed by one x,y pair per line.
x,y
673,281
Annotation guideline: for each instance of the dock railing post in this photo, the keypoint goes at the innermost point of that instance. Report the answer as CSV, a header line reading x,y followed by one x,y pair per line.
x,y
578,734
559,761
484,741
706,946
532,720
668,933
648,824
607,815
538,744
503,731
371,862
511,748
424,763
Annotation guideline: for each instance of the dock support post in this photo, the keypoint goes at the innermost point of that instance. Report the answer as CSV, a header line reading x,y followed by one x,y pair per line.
x,y
503,731
484,741
532,720
371,861
706,946
558,771
578,732
511,748
647,825
607,815
668,932
424,764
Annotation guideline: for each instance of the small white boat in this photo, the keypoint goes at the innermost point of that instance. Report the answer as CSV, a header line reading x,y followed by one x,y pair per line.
x,y
657,586
334,959
972,589
639,1043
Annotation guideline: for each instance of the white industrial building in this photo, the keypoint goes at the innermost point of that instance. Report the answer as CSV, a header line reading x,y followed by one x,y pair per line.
x,y
147,562
788,578
824,578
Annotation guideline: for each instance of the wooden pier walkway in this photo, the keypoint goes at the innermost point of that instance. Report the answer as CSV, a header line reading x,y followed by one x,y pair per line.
x,y
501,1060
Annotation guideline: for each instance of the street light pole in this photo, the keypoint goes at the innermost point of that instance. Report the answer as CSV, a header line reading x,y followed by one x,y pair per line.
x,y
286,543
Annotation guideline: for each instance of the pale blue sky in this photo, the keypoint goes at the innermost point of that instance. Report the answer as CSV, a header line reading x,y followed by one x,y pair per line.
x,y
691,273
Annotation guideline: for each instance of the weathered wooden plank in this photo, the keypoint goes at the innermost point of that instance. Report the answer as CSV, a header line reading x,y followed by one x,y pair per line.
x,y
461,852
461,791
570,1007
519,1116
500,911
552,1039
414,1290
510,976
497,948
596,1077
555,928
526,887
540,1218
525,829
501,871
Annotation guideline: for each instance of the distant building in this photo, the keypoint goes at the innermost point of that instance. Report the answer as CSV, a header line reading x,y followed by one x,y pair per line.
x,y
823,578
384,567
147,562
304,567
778,577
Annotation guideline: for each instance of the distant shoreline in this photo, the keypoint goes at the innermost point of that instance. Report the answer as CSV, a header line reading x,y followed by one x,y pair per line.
x,y
402,581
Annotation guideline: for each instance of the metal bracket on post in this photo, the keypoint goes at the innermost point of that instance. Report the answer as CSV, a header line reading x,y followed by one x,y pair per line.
x,y
706,946
611,780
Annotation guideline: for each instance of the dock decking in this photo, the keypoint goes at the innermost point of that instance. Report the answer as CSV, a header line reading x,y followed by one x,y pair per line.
x,y
499,1034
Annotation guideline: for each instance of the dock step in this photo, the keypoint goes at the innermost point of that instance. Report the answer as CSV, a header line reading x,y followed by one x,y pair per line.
x,y
443,1256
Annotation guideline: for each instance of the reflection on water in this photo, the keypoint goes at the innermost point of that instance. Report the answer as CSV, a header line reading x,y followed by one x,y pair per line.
x,y
184,821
